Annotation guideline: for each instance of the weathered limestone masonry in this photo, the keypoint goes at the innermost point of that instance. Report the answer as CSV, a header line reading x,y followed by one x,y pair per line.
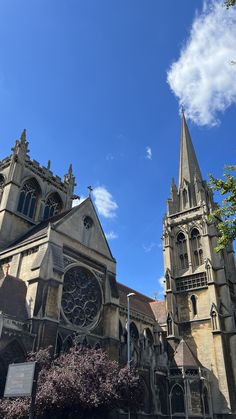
x,y
58,281
200,283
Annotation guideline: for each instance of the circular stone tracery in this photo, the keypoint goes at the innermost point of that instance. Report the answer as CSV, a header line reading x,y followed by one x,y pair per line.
x,y
81,298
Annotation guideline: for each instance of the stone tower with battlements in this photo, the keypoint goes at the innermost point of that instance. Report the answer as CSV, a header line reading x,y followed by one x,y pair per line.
x,y
200,284
29,193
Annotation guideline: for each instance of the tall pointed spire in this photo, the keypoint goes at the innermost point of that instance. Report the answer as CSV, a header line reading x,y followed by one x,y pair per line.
x,y
188,164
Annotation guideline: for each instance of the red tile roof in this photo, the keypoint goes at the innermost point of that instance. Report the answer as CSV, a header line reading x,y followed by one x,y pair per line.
x,y
138,303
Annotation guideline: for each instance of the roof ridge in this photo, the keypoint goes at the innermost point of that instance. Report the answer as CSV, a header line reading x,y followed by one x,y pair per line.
x,y
136,292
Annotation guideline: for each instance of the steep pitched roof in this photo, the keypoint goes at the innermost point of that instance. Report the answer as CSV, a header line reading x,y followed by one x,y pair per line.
x,y
183,357
39,229
139,302
188,164
159,310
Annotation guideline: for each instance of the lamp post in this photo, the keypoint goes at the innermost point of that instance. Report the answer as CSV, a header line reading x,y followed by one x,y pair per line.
x,y
131,294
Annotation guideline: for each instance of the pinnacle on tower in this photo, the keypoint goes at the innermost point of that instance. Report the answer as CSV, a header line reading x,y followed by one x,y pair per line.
x,y
188,164
23,137
69,177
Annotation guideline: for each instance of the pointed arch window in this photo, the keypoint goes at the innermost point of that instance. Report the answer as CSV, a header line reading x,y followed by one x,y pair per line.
x,y
206,401
149,340
193,299
182,251
196,247
2,183
167,278
29,195
134,334
169,325
185,198
53,206
177,399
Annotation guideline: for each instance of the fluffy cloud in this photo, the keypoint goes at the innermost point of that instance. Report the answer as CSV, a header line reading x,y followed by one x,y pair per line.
x,y
78,201
161,282
111,235
203,78
104,202
161,287
148,153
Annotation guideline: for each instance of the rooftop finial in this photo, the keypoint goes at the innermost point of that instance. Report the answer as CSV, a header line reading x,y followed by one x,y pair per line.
x,y
90,189
69,177
23,137
70,170
49,165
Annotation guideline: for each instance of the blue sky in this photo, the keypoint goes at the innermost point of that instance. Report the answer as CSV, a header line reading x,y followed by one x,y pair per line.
x,y
88,80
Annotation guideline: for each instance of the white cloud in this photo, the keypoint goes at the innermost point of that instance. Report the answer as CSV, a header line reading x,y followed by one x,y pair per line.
x,y
104,202
148,153
161,282
111,235
203,78
148,247
78,201
161,287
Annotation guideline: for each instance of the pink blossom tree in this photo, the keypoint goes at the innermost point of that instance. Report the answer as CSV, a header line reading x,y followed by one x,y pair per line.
x,y
83,383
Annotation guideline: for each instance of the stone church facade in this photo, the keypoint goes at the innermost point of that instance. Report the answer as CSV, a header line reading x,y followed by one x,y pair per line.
x,y
58,281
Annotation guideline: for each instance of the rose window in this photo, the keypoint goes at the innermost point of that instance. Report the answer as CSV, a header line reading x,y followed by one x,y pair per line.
x,y
81,298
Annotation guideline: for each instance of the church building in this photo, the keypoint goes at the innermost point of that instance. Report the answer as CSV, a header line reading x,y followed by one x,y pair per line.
x,y
58,281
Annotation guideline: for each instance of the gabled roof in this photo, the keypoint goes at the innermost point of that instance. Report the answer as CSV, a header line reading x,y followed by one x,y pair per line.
x,y
59,223
183,357
188,164
39,229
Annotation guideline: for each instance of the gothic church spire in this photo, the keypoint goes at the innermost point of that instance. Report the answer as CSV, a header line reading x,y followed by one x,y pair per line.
x,y
188,165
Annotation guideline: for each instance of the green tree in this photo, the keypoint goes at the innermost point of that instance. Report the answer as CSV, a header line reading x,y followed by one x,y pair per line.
x,y
230,3
225,214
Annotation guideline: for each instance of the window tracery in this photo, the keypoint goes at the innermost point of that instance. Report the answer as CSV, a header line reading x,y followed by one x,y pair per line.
x,y
177,399
53,206
28,198
182,251
196,247
81,298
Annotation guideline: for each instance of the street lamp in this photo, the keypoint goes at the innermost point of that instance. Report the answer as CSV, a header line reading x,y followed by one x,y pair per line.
x,y
131,294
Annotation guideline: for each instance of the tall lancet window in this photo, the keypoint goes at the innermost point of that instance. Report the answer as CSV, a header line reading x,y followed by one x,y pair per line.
x,y
2,182
196,247
53,206
182,251
29,195
185,198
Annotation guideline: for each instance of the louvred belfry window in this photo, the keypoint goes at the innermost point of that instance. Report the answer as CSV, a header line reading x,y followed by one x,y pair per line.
x,y
196,247
28,198
182,251
53,206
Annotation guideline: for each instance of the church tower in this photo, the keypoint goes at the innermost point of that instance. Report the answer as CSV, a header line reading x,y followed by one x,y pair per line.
x,y
29,193
200,284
